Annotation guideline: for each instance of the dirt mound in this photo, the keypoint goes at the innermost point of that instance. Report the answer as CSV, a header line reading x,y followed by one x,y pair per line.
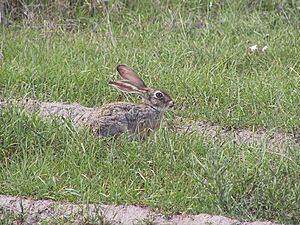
x,y
28,211
269,138
80,115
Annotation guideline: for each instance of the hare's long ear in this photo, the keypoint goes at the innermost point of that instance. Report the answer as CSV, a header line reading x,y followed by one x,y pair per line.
x,y
127,86
128,74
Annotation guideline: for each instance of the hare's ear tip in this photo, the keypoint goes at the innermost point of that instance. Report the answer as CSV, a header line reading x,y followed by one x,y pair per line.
x,y
121,65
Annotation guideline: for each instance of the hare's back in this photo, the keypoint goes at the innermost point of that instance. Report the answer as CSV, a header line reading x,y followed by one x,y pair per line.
x,y
113,109
116,118
129,110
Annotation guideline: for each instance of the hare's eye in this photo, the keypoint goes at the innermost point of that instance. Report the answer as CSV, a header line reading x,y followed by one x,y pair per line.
x,y
158,95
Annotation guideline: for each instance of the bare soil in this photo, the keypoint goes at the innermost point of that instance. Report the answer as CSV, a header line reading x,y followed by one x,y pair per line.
x,y
268,138
28,211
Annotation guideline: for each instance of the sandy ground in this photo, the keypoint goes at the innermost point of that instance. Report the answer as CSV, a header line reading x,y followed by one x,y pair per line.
x,y
262,137
27,211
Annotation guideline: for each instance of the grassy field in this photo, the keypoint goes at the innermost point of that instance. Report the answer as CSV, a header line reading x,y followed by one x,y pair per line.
x,y
196,51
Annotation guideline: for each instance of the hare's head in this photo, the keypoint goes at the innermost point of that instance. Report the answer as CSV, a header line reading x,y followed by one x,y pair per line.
x,y
132,83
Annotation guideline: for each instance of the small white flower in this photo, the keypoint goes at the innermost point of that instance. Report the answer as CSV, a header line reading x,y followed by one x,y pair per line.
x,y
265,48
252,48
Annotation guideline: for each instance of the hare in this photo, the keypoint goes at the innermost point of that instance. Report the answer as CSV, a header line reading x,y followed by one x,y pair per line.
x,y
116,118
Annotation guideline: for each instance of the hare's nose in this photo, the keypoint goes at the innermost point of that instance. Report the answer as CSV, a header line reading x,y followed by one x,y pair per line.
x,y
171,104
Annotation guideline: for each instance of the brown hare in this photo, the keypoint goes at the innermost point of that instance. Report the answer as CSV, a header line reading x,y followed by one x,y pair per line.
x,y
116,118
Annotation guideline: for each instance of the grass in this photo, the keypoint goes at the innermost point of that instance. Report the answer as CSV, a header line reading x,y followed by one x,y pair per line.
x,y
211,75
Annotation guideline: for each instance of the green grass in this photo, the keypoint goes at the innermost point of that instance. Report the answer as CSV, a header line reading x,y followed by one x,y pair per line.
x,y
175,173
211,76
